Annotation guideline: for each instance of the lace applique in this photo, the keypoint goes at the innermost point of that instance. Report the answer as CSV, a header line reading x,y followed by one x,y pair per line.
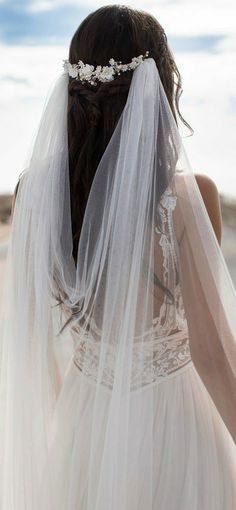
x,y
152,360
171,317
165,347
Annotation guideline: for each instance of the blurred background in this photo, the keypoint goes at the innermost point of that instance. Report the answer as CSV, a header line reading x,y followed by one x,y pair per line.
x,y
34,39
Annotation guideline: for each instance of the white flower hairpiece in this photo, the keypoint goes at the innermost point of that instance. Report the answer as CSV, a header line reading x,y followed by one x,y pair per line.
x,y
91,74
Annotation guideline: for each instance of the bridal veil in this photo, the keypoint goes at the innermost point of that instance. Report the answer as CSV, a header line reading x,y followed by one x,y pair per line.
x,y
111,298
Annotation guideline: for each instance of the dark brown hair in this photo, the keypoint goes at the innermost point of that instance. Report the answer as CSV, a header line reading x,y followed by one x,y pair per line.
x,y
119,32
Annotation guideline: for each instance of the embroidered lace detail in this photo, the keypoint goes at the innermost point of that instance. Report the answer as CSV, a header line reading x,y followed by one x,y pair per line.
x,y
152,360
164,348
171,317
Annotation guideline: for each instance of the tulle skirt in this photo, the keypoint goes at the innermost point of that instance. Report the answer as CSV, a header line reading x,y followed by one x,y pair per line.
x,y
193,455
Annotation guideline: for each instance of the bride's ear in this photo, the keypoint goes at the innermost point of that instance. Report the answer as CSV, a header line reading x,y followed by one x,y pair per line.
x,y
210,195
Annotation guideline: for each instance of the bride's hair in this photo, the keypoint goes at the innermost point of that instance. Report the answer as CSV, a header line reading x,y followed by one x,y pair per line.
x,y
118,32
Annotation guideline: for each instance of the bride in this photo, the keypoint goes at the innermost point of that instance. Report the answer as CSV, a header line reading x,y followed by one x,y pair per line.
x,y
118,326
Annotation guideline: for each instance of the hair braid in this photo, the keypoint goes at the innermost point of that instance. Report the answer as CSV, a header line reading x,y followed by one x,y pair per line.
x,y
93,112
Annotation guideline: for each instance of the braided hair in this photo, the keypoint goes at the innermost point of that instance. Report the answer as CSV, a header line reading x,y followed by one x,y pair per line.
x,y
93,112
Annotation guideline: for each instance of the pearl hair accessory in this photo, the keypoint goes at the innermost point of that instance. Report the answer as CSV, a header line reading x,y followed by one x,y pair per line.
x,y
91,74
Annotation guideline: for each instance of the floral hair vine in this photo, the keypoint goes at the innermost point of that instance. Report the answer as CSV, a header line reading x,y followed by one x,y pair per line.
x,y
89,73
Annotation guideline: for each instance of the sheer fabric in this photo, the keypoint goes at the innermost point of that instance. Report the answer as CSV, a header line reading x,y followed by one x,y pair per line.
x,y
128,407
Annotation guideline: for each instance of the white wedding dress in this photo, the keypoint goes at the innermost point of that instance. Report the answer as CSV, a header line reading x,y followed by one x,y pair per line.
x,y
132,405
193,454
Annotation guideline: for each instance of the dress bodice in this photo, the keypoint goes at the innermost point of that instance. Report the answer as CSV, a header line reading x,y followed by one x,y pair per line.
x,y
164,348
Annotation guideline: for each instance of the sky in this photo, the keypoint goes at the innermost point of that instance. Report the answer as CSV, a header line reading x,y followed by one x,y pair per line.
x,y
35,37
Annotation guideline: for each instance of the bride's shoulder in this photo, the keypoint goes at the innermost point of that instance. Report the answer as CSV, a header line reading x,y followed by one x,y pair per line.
x,y
208,190
206,184
211,198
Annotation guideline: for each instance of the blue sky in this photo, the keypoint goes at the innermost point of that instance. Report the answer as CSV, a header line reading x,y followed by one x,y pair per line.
x,y
35,36
22,25
19,25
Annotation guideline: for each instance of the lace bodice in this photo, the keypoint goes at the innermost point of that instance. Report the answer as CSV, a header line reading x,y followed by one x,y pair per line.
x,y
171,317
165,347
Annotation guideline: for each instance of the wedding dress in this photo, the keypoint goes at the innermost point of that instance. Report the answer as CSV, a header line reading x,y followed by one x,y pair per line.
x,y
132,405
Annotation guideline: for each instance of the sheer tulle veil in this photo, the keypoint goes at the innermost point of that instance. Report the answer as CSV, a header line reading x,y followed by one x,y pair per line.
x,y
112,295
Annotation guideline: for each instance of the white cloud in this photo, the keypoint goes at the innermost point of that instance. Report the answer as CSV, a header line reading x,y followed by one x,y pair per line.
x,y
196,18
21,101
41,6
182,17
227,45
34,65
209,104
